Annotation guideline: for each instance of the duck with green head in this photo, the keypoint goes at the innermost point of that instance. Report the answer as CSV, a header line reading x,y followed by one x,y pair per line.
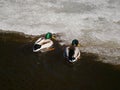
x,y
72,52
44,44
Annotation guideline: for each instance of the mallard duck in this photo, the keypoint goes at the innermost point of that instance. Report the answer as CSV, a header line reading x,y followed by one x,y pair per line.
x,y
44,44
72,52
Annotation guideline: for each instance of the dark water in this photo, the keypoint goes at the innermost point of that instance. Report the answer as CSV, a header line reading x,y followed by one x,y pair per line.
x,y
21,69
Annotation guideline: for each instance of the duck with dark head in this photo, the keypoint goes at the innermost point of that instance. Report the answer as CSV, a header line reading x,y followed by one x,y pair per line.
x,y
72,52
44,44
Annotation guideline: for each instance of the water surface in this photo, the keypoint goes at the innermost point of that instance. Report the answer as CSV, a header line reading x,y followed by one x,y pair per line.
x,y
21,69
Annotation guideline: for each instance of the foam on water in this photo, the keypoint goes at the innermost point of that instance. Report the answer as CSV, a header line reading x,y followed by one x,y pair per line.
x,y
96,23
